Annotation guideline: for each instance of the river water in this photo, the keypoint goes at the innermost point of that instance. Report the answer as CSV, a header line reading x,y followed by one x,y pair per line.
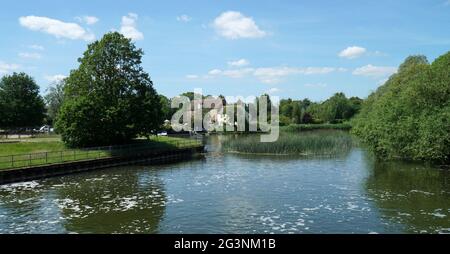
x,y
230,193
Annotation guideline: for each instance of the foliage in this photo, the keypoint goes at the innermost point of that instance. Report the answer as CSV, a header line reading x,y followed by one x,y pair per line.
x,y
54,100
409,116
336,109
109,99
20,102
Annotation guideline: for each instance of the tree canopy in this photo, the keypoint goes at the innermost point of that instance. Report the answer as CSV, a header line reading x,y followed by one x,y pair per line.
x,y
109,98
54,100
409,116
20,102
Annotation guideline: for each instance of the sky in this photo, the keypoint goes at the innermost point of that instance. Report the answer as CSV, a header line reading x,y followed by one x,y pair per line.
x,y
297,49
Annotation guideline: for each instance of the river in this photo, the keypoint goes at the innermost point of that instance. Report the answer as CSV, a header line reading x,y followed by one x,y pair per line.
x,y
232,193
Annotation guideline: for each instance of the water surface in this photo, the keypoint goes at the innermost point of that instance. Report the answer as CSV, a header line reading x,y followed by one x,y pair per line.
x,y
231,193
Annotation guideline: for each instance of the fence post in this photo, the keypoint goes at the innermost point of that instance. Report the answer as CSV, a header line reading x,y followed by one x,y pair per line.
x,y
46,157
61,156
74,155
12,161
29,159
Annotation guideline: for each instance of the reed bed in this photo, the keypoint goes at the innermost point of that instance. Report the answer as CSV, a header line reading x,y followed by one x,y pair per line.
x,y
305,143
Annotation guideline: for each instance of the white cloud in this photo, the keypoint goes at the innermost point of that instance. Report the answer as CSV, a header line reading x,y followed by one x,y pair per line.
x,y
57,28
318,70
27,55
234,25
273,75
36,47
239,63
184,18
88,20
129,27
239,73
316,85
215,72
6,68
352,52
268,75
375,71
55,78
192,76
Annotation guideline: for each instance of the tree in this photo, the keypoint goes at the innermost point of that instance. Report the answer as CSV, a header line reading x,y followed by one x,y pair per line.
x,y
20,102
109,99
296,113
54,100
409,116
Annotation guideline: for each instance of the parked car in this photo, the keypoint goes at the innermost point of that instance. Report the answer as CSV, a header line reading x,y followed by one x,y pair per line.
x,y
164,133
44,129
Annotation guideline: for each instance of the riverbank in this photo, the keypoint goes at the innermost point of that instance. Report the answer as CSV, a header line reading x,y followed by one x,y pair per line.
x,y
141,155
31,153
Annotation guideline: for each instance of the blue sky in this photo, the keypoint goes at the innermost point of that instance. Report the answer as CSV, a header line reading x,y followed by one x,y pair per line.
x,y
292,49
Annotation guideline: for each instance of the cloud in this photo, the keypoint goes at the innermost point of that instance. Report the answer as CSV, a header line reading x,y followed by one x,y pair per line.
x,y
234,25
88,20
268,75
55,78
273,75
352,52
239,73
129,27
36,47
184,18
215,72
316,85
27,55
239,63
192,76
375,71
57,28
6,68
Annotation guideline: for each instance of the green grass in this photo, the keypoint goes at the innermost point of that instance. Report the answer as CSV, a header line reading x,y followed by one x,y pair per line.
x,y
319,143
32,152
309,127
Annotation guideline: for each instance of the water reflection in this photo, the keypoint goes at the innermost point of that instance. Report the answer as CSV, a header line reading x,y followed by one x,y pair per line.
x,y
416,196
230,193
125,202
130,200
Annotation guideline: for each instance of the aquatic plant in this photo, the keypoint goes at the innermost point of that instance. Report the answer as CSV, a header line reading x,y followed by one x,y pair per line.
x,y
304,143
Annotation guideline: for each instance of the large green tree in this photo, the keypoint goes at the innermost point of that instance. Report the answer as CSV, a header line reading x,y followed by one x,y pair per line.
x,y
20,102
409,116
109,99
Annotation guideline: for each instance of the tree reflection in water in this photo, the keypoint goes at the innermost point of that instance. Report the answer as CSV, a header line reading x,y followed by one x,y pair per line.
x,y
126,201
416,196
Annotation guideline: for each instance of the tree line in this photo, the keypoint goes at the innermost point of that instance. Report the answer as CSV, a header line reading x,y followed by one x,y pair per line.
x,y
409,116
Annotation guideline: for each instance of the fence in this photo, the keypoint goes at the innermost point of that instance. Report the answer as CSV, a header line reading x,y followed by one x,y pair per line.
x,y
44,158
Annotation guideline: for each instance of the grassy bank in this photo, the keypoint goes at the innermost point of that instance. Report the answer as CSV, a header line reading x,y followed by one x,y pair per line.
x,y
310,127
29,152
308,143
